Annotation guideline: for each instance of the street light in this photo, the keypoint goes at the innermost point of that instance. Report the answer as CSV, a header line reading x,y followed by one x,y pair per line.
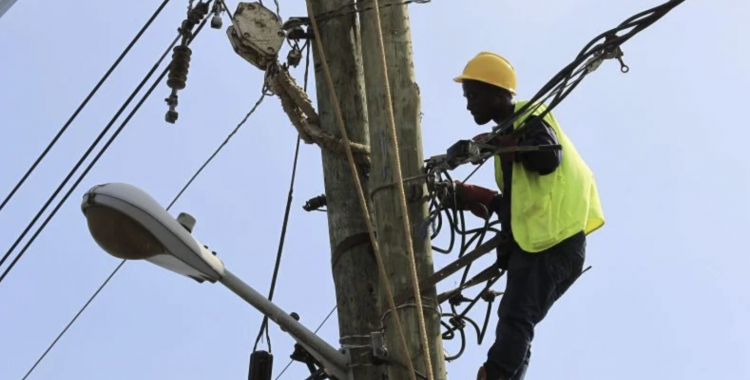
x,y
129,224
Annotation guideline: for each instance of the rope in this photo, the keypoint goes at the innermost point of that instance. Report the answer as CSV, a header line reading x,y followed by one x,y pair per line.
x,y
298,106
402,195
358,184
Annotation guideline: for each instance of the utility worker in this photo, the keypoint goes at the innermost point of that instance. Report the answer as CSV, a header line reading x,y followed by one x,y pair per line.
x,y
547,205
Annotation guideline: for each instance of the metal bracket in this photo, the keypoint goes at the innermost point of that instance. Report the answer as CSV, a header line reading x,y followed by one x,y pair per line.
x,y
379,351
294,28
453,267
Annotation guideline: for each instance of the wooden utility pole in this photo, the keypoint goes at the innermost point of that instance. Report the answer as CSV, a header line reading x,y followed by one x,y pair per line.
x,y
355,270
386,202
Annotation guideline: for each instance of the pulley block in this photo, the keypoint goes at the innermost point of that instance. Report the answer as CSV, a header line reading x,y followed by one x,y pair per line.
x,y
256,34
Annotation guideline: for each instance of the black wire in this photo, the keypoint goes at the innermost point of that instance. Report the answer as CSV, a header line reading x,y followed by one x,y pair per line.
x,y
614,41
81,106
74,319
462,334
558,85
558,88
216,152
93,162
315,332
282,238
176,198
86,154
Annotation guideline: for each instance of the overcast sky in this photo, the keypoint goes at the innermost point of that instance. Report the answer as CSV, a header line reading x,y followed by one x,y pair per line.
x,y
666,298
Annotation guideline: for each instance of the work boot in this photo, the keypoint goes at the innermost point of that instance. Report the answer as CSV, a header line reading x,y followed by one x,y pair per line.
x,y
482,375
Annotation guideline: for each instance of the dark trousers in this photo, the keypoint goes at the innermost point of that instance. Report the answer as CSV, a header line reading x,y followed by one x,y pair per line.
x,y
534,282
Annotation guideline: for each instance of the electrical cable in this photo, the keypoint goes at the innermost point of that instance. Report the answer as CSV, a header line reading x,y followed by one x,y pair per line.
x,y
314,332
558,88
93,162
174,200
282,238
567,79
81,106
74,319
86,154
224,143
278,10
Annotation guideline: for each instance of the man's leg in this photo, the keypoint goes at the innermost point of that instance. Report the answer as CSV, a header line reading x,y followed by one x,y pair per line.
x,y
535,281
521,373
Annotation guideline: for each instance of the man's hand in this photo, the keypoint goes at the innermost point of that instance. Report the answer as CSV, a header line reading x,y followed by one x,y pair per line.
x,y
474,198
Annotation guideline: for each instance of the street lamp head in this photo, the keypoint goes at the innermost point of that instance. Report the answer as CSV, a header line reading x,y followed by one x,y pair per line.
x,y
129,224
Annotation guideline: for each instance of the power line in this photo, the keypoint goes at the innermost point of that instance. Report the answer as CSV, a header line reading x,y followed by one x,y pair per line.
x,y
252,110
604,46
81,106
74,319
88,152
264,324
315,332
176,198
98,156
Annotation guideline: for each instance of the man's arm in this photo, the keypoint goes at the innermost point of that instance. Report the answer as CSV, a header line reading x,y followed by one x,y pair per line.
x,y
543,162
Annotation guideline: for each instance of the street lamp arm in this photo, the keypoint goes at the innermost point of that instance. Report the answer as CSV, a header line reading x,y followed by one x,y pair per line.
x,y
334,361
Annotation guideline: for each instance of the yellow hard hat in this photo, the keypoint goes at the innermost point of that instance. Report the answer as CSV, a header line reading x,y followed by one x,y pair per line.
x,y
490,68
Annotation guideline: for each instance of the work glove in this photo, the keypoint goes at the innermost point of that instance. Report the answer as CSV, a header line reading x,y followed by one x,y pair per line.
x,y
476,199
483,139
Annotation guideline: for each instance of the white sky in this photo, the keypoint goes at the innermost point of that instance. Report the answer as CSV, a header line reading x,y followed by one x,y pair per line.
x,y
666,297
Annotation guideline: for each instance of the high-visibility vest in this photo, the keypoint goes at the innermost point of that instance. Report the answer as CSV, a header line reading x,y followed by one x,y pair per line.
x,y
547,209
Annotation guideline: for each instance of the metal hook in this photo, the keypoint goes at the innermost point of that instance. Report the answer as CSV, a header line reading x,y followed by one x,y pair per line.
x,y
623,67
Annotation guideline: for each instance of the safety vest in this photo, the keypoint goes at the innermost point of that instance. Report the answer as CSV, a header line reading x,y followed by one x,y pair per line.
x,y
547,209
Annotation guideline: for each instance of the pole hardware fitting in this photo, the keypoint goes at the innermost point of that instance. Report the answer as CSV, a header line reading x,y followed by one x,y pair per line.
x,y
378,350
612,52
470,151
316,203
300,354
216,22
256,34
261,366
178,67
294,57
458,299
457,323
295,31
294,316
489,295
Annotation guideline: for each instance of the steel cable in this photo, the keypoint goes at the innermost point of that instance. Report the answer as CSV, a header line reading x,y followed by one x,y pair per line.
x,y
122,262
264,324
81,107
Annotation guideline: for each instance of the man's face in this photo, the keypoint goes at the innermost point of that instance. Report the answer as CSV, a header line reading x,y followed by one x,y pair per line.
x,y
484,101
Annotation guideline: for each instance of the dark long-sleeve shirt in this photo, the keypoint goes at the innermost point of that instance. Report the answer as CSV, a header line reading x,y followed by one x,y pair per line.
x,y
542,162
